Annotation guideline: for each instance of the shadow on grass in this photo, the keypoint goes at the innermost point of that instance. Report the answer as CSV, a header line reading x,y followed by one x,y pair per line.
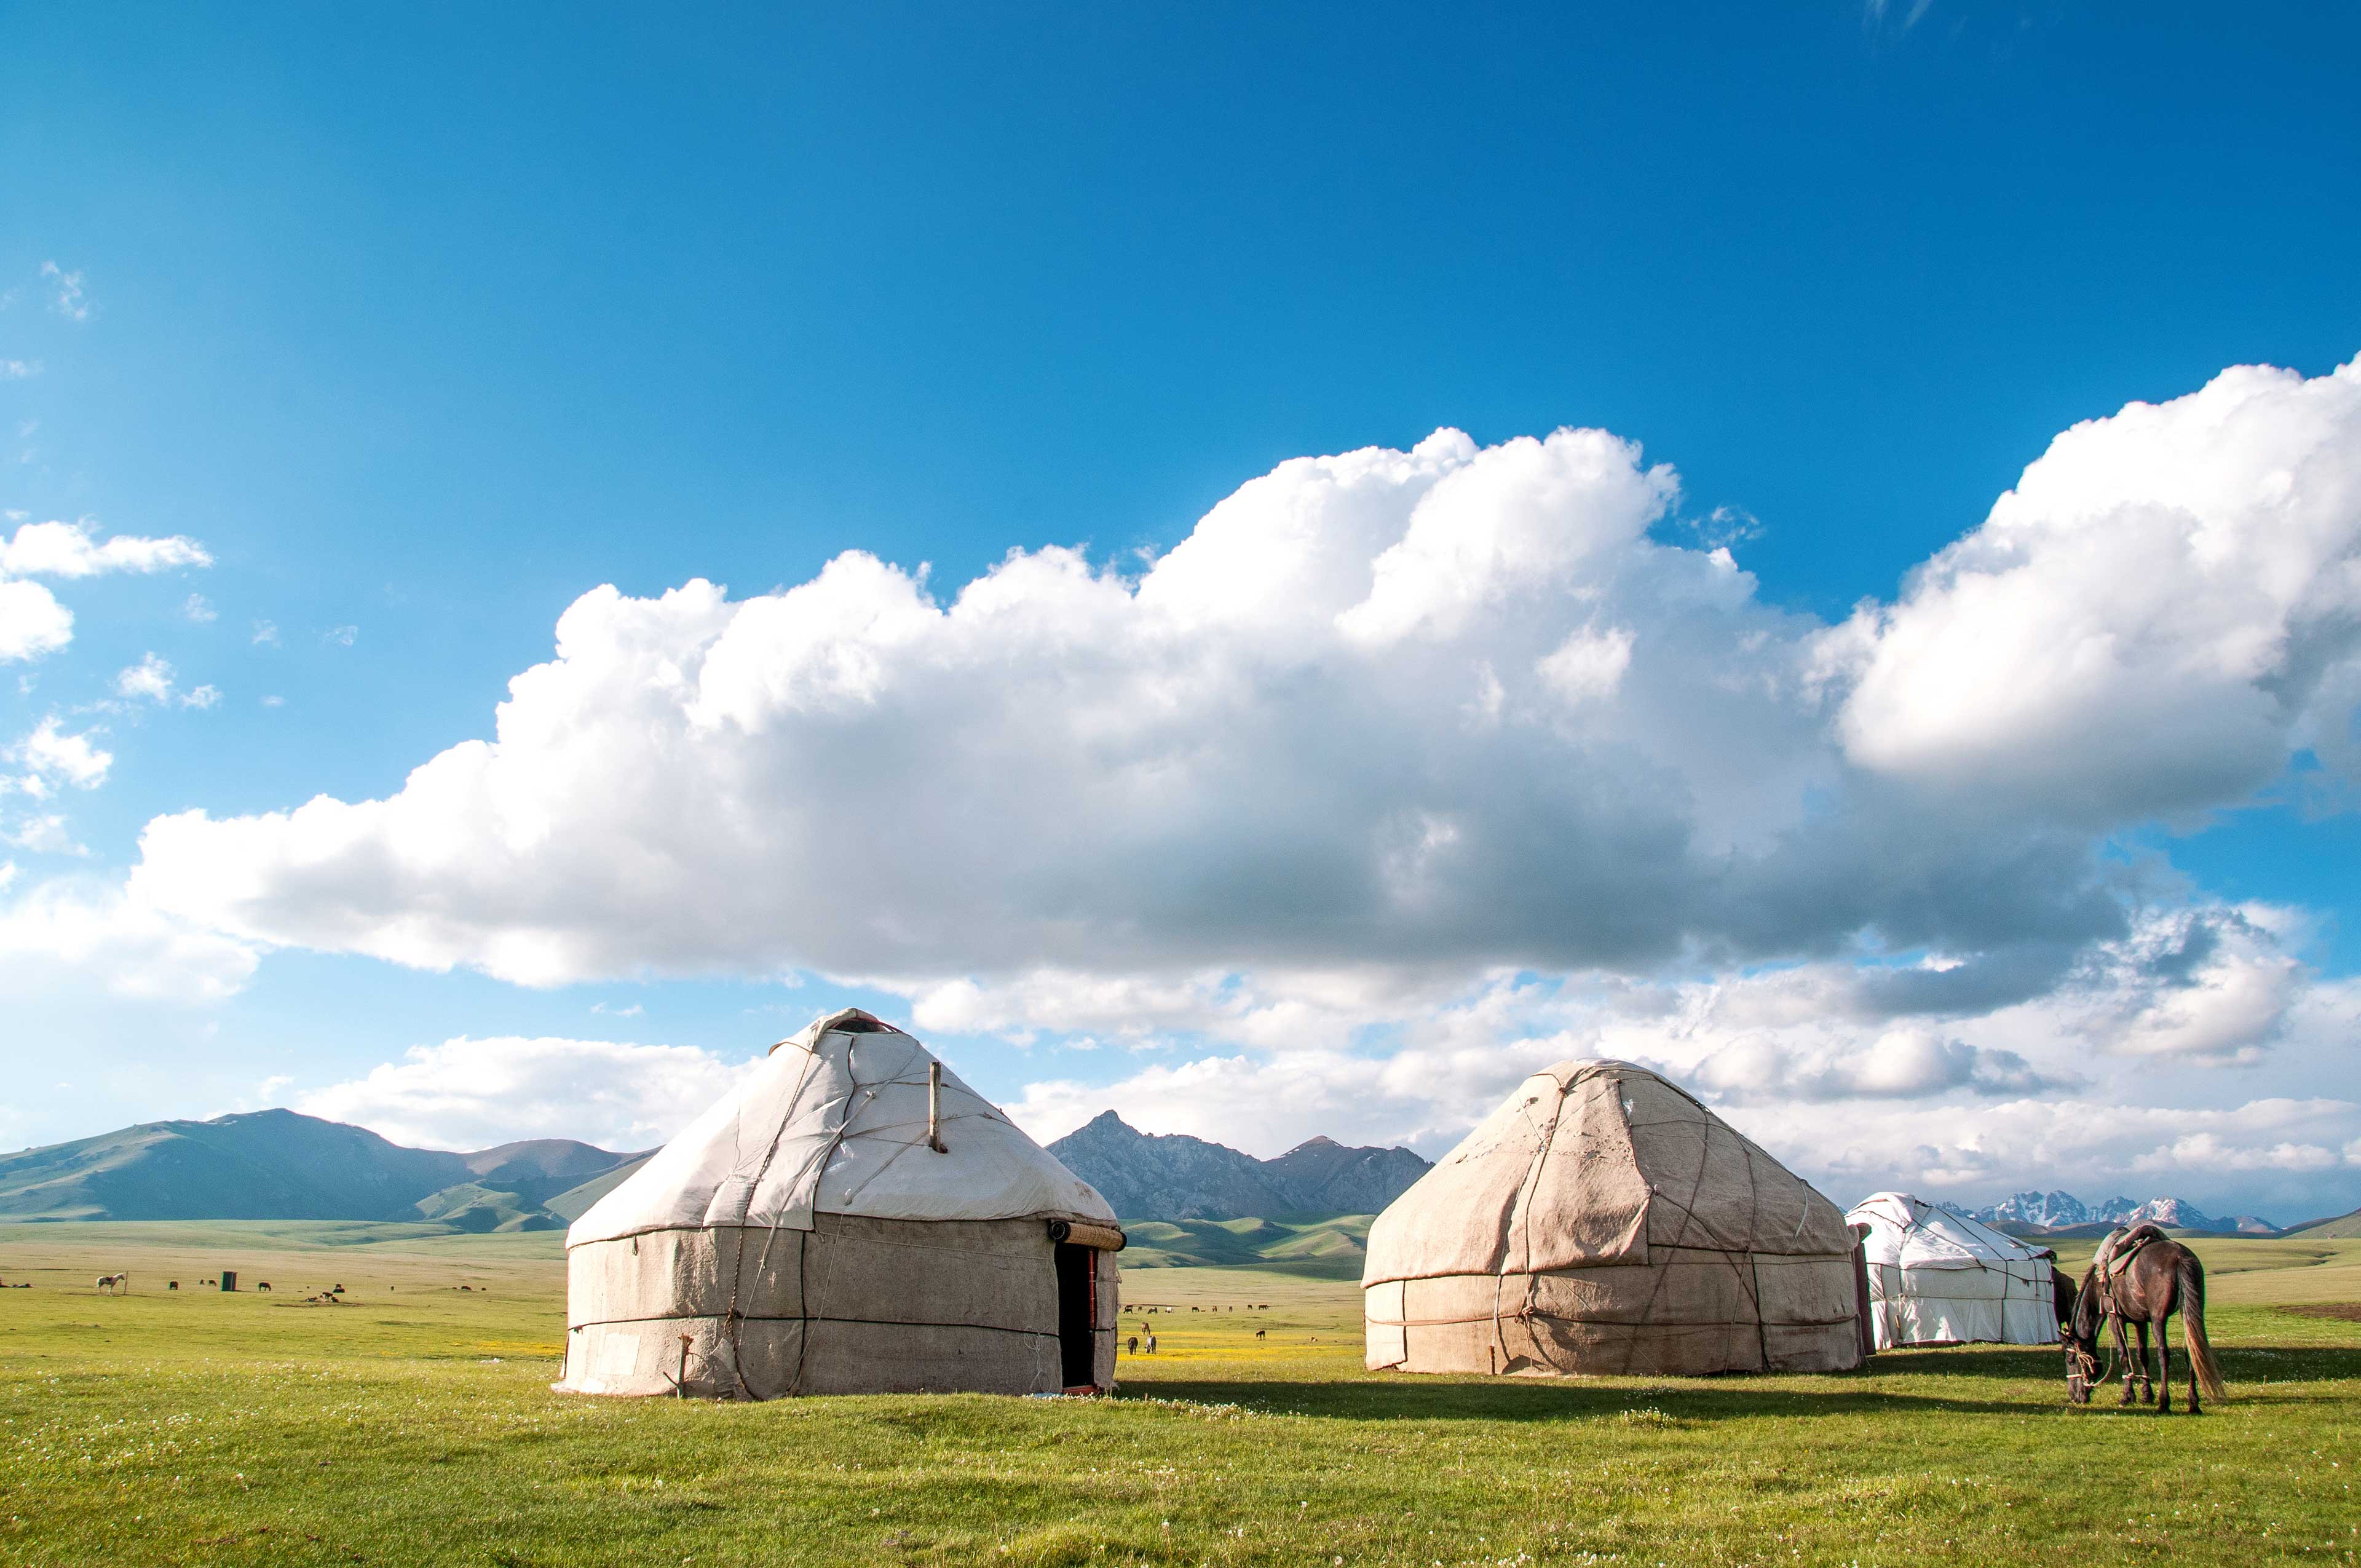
x,y
2250,1361
1395,1395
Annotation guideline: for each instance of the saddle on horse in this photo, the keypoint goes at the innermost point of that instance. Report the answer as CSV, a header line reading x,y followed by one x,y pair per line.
x,y
2116,1253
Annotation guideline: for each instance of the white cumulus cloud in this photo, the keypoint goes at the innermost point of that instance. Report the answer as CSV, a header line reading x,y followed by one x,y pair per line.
x,y
46,834
151,678
69,935
1259,751
32,621
2167,604
472,1094
1408,771
72,550
52,758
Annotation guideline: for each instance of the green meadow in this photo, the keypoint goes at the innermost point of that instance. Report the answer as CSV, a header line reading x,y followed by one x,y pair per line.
x,y
413,1423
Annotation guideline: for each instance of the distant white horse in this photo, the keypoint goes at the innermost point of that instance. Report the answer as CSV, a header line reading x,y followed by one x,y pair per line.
x,y
116,1283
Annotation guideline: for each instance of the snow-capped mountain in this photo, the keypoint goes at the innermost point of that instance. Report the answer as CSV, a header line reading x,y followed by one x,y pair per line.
x,y
2179,1213
2056,1211
2048,1210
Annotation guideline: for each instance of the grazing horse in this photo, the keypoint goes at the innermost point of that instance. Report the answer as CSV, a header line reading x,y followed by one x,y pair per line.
x,y
171,1285
265,1285
2162,1277
114,1283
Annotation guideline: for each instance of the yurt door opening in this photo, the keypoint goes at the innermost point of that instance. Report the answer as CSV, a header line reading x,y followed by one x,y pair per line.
x,y
1078,1311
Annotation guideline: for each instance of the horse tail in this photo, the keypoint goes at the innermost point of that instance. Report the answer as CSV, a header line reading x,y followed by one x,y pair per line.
x,y
2192,1321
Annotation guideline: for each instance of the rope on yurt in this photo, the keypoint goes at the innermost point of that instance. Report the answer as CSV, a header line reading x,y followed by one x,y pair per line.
x,y
1754,1258
1543,1139
1902,1275
853,1105
1688,1210
730,1319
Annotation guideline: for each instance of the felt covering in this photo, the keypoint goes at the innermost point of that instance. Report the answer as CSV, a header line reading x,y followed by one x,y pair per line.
x,y
805,1235
1602,1220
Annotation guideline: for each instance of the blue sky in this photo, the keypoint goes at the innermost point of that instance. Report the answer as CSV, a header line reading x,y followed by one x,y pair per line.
x,y
423,327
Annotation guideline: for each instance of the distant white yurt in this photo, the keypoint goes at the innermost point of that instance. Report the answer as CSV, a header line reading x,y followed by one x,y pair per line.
x,y
850,1219
1603,1220
1937,1278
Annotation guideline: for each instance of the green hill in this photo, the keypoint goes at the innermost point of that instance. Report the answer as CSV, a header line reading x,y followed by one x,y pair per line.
x,y
575,1201
277,1165
473,1207
2345,1227
1325,1246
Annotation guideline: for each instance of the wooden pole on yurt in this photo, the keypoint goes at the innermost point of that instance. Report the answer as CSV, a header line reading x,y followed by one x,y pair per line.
x,y
935,1107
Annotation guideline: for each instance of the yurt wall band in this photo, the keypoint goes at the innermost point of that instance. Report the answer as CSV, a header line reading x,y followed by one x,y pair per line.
x,y
1604,1221
851,1219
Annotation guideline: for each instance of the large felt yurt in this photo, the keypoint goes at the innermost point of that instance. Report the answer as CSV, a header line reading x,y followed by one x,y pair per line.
x,y
1939,1278
850,1219
1603,1220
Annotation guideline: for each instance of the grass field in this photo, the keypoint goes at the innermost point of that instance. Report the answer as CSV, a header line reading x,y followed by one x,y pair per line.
x,y
414,1424
1326,1247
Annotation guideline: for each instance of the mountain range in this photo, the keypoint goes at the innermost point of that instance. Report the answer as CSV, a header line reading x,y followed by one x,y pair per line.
x,y
278,1165
2051,1213
1172,1176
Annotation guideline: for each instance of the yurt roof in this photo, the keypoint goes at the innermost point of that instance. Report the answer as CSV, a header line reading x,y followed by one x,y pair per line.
x,y
1594,1162
1907,1232
834,1121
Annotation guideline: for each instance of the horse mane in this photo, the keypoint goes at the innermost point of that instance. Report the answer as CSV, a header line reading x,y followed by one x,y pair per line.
x,y
2086,1305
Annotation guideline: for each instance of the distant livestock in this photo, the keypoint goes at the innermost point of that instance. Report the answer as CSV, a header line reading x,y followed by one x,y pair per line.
x,y
263,1286
171,1285
1131,1345
113,1284
1260,1332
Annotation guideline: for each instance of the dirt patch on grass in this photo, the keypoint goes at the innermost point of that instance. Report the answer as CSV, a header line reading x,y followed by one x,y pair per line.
x,y
2342,1311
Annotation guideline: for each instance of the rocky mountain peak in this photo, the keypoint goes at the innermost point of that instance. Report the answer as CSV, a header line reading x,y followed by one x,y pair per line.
x,y
1171,1176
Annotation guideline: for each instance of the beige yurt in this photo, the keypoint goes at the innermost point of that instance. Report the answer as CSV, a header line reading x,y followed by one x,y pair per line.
x,y
1603,1220
1940,1278
850,1219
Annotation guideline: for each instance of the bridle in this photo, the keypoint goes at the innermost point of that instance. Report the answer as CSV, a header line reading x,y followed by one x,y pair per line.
x,y
2082,1371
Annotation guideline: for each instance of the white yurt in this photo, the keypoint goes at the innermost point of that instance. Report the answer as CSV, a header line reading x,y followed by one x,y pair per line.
x,y
850,1219
1937,1278
1603,1220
